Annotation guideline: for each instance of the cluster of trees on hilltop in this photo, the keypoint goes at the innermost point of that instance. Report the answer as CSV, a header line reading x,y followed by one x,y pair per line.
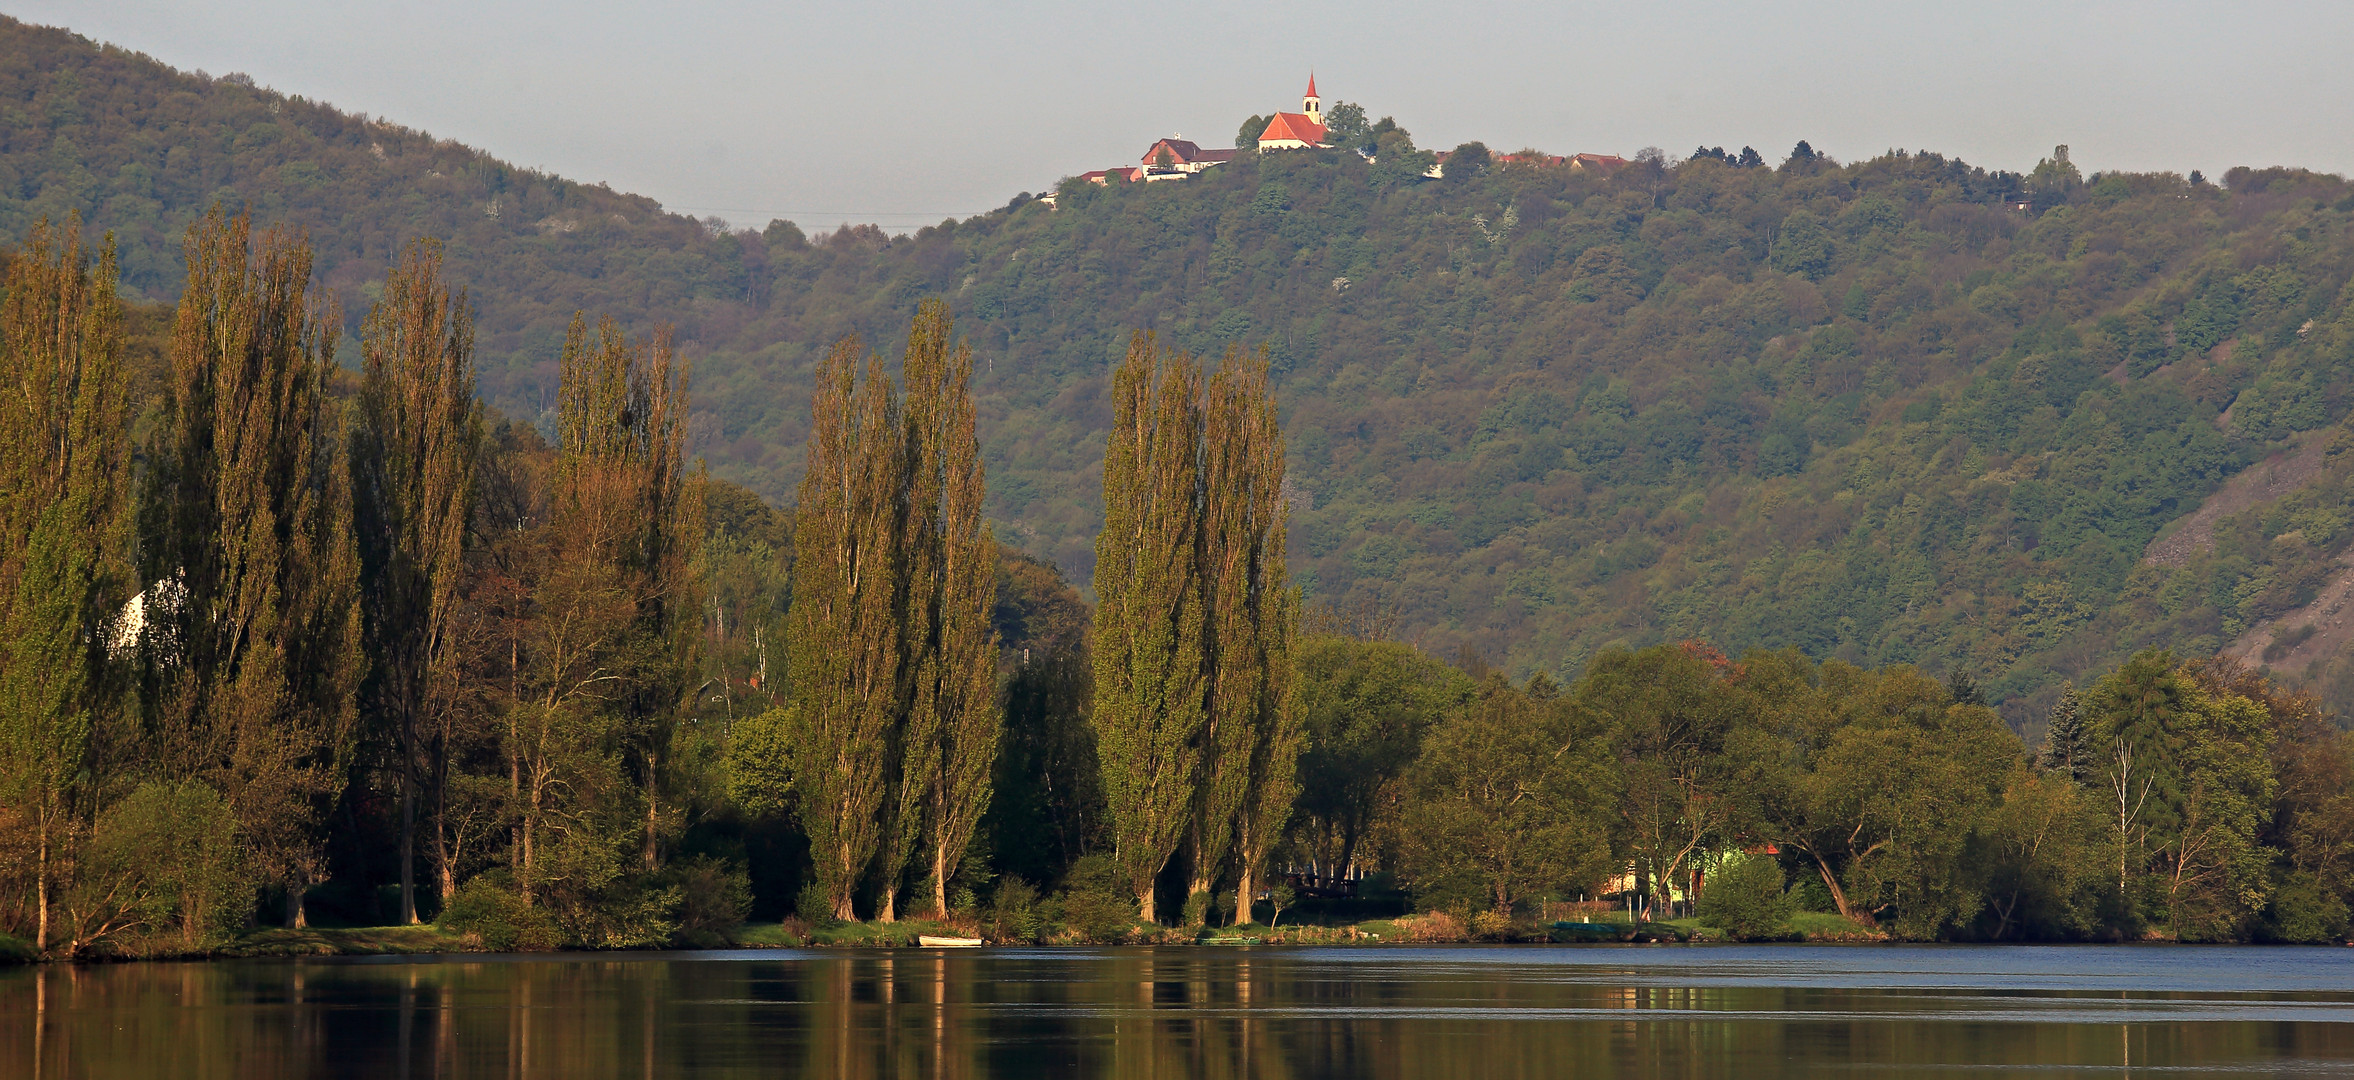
x,y
1868,410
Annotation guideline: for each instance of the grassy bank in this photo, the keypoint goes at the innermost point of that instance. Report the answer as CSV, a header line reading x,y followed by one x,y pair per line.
x,y
1429,928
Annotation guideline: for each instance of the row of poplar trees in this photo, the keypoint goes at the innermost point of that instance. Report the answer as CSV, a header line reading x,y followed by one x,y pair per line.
x,y
892,736
1196,734
287,588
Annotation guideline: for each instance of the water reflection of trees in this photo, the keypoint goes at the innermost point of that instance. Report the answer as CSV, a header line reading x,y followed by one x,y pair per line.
x,y
1142,1014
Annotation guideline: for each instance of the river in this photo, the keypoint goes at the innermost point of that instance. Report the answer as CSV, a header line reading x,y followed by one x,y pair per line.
x,y
1378,1012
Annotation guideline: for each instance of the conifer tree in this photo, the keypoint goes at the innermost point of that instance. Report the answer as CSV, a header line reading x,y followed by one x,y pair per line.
x,y
2067,744
1149,623
843,630
251,651
414,465
62,527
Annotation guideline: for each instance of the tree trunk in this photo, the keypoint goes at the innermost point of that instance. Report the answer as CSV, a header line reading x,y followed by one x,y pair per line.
x,y
408,844
1144,906
41,890
296,918
1831,882
653,802
939,880
1242,893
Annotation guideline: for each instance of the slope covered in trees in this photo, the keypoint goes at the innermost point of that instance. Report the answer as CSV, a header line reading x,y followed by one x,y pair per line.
x,y
1873,411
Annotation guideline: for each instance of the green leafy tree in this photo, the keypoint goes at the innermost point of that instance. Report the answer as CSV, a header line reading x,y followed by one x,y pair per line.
x,y
843,629
1149,623
1365,706
419,432
63,523
1509,799
1252,732
251,647
957,671
1247,136
1672,712
1802,245
1345,126
1746,900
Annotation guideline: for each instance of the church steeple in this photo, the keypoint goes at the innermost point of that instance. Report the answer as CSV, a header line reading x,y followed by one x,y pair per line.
x,y
1311,104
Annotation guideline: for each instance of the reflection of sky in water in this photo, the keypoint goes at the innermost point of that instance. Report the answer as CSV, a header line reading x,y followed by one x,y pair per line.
x,y
1380,1012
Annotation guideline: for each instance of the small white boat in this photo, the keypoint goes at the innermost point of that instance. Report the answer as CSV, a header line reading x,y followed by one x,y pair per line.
x,y
930,941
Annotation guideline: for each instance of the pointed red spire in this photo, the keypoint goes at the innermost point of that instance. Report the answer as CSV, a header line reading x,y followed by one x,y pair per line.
x,y
1311,84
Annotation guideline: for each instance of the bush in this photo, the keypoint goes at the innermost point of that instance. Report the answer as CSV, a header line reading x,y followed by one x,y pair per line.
x,y
814,907
714,897
165,860
1745,900
1013,911
1093,905
489,911
2304,912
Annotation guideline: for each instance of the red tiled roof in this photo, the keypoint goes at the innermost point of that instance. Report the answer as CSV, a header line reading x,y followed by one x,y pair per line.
x,y
1180,150
1295,126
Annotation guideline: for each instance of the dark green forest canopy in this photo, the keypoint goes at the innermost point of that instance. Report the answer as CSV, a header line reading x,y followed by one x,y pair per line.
x,y
1870,411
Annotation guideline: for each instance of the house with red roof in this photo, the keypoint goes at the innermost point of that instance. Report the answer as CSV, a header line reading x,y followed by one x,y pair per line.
x,y
1174,158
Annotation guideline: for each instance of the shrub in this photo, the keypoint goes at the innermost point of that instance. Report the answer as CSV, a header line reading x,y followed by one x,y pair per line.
x,y
165,859
1098,914
1093,904
1013,911
2304,912
1745,899
488,910
814,907
714,896
1492,925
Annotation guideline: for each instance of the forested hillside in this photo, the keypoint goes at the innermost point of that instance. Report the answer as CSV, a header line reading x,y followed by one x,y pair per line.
x,y
1878,411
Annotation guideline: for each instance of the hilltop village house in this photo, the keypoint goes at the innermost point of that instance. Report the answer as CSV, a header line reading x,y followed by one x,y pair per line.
x,y
1176,158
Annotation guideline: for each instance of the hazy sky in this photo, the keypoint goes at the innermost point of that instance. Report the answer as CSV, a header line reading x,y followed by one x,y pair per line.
x,y
908,111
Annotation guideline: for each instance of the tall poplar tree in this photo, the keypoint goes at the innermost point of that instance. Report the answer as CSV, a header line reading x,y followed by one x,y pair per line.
x,y
629,521
414,463
62,529
957,678
1149,622
1252,783
844,630
915,735
251,652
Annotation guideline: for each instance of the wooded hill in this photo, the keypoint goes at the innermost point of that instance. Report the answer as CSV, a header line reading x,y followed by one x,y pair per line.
x,y
1871,410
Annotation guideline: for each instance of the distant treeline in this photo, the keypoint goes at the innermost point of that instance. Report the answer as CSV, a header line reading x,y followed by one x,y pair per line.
x,y
278,639
1904,409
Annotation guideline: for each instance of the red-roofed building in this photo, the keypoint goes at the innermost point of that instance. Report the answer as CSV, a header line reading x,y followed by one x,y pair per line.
x,y
1172,158
1597,162
1300,130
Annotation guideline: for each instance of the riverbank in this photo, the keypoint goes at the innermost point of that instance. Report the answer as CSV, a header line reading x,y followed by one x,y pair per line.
x,y
1432,928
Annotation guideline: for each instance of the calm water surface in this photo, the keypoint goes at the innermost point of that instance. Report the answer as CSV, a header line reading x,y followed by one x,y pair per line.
x,y
1465,1011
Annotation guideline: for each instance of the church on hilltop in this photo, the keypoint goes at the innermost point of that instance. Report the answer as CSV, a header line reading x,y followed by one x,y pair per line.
x,y
1176,158
1297,131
